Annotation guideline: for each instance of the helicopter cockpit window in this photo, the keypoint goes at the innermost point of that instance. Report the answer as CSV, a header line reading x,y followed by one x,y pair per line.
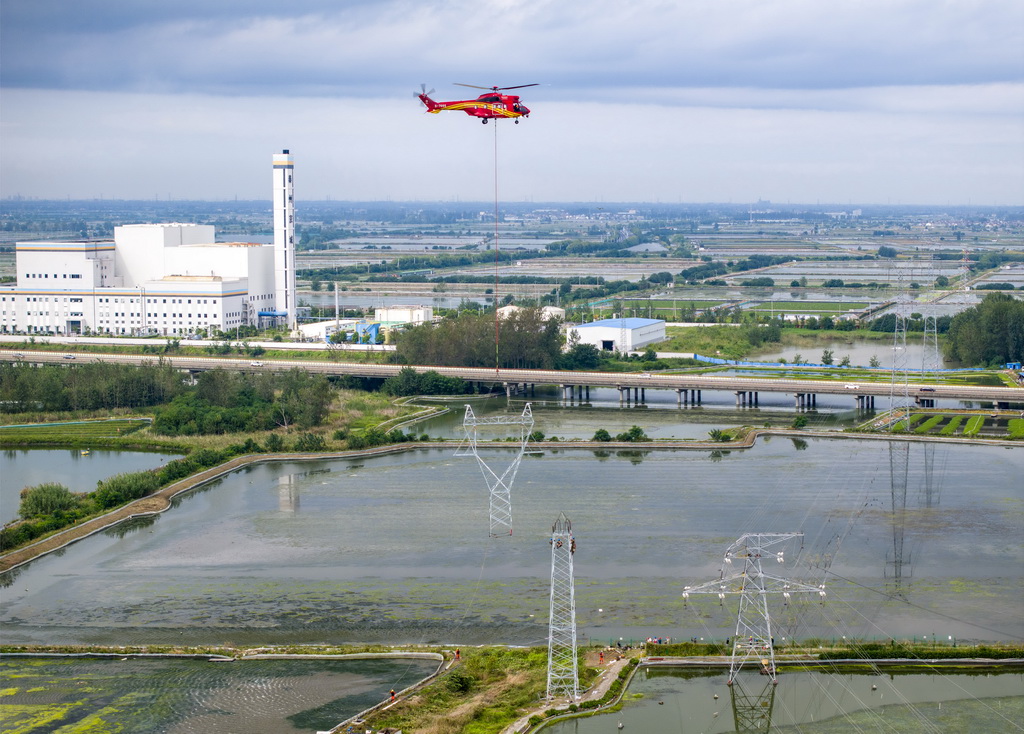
x,y
492,98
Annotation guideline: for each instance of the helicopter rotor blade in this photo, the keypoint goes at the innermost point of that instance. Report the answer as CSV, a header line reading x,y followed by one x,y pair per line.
x,y
495,89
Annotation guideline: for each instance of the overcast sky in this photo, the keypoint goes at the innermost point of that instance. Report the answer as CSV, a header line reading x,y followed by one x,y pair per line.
x,y
802,101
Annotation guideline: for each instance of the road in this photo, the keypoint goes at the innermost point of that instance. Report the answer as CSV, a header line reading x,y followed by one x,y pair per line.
x,y
632,380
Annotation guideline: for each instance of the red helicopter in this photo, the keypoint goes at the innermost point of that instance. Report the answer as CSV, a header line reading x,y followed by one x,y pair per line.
x,y
491,105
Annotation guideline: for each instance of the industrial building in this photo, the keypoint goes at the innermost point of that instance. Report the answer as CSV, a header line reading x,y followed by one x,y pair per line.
x,y
164,279
619,335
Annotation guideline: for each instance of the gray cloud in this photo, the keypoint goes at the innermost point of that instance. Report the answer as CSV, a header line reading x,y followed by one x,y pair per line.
x,y
370,48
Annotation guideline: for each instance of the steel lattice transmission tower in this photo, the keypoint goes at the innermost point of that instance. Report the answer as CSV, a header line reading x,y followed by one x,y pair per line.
x,y
753,638
500,487
899,388
563,673
931,360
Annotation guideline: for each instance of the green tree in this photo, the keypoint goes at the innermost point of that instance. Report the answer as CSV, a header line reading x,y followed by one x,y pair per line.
x,y
873,362
602,435
826,356
990,333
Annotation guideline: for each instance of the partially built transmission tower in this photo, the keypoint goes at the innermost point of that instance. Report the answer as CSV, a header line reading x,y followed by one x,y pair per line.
x,y
563,674
753,638
500,486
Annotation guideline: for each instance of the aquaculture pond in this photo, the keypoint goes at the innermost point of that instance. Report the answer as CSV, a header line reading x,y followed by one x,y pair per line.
x,y
828,701
78,470
920,540
193,696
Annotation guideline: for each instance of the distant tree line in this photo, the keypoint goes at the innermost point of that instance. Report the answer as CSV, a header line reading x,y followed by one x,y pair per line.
x,y
220,401
91,386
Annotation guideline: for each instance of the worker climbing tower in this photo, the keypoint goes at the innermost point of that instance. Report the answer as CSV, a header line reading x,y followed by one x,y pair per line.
x,y
753,638
563,673
500,486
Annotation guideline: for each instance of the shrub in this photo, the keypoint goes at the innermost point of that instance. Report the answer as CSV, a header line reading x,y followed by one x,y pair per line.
x,y
46,499
634,434
459,681
249,447
310,442
274,443
602,435
124,488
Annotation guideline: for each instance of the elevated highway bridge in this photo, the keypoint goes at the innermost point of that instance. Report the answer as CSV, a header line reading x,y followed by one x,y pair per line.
x,y
631,385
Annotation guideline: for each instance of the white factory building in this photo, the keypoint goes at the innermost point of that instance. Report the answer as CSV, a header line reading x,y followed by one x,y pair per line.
x,y
619,335
166,279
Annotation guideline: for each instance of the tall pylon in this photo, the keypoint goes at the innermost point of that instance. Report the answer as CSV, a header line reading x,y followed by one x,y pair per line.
x,y
899,388
563,673
753,638
500,487
931,360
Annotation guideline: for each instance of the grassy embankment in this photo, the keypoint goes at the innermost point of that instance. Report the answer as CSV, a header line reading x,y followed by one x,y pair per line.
x,y
353,411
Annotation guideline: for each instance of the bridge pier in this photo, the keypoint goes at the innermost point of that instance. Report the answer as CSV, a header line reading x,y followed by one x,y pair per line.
x,y
746,398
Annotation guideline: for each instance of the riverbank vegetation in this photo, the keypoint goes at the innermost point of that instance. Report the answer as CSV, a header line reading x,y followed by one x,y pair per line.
x,y
989,334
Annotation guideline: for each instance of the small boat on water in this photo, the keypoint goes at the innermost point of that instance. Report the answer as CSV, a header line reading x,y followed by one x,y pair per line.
x,y
85,452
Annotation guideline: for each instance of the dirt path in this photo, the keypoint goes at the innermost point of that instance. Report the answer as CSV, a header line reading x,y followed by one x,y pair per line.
x,y
609,672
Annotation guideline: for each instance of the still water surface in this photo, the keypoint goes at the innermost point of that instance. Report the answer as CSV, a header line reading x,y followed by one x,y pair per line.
x,y
185,696
825,702
925,540
78,471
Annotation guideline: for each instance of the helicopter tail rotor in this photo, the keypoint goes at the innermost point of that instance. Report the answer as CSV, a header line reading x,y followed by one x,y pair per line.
x,y
423,93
